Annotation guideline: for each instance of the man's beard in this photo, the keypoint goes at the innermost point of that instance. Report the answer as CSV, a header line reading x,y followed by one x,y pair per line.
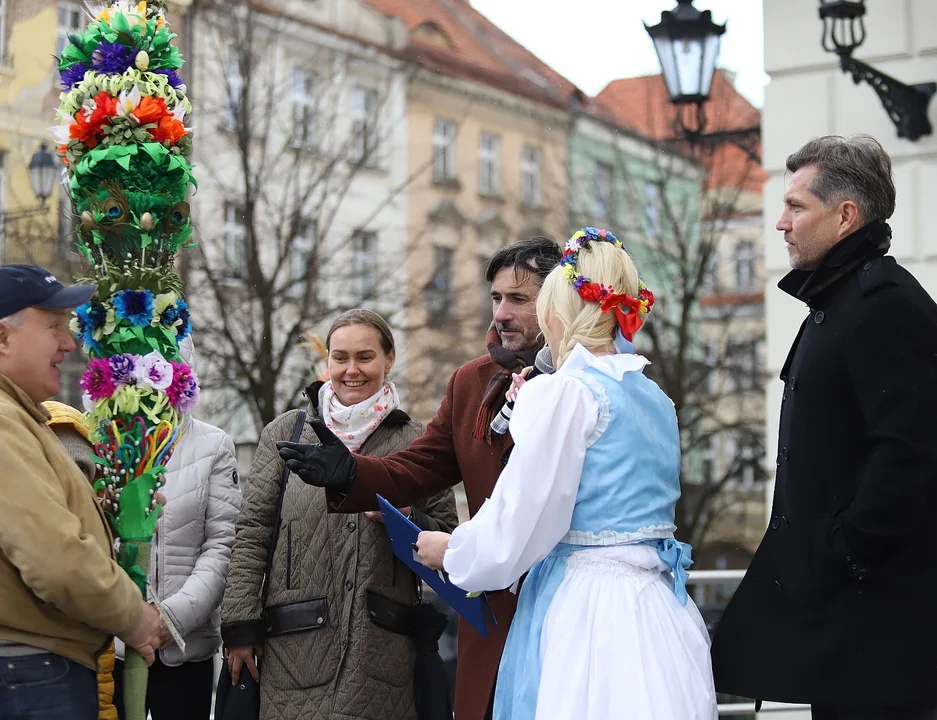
x,y
525,343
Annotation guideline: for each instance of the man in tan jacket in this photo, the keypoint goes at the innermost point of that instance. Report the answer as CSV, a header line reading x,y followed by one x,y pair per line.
x,y
62,595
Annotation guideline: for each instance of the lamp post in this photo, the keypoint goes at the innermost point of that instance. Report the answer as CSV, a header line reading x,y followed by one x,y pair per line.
x,y
843,32
43,172
687,44
28,226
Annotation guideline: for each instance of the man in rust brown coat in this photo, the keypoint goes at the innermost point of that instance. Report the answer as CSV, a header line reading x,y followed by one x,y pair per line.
x,y
458,446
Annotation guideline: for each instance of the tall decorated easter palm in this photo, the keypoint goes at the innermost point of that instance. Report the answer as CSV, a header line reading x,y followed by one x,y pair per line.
x,y
124,142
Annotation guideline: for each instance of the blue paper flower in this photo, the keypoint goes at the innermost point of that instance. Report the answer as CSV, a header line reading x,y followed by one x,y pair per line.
x,y
135,306
179,311
72,75
112,58
172,76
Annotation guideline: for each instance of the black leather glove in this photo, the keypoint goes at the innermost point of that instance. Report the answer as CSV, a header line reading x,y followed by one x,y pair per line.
x,y
327,464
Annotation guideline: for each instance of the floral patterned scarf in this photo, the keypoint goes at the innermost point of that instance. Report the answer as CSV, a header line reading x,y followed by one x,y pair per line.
x,y
354,424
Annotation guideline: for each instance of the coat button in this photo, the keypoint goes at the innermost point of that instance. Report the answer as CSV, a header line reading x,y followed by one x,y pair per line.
x,y
349,585
818,318
867,266
351,526
775,522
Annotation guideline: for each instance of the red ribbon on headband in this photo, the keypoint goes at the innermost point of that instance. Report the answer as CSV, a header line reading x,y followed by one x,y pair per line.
x,y
628,322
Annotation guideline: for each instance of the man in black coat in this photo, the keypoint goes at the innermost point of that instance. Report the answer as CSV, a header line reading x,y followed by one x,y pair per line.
x,y
838,608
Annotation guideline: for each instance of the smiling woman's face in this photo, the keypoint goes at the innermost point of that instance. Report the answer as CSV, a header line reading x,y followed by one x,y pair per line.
x,y
358,364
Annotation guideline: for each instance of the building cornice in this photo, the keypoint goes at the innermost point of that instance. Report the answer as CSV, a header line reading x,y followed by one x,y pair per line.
x,y
468,89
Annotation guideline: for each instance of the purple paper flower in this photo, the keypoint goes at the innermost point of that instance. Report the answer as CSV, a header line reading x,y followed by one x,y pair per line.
x,y
153,370
580,281
172,76
112,58
122,369
72,75
98,381
183,393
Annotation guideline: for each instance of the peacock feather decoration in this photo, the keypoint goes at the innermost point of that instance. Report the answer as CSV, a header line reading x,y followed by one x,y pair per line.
x,y
123,138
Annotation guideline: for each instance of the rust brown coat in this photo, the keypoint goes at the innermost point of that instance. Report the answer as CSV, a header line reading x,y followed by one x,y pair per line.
x,y
443,456
351,668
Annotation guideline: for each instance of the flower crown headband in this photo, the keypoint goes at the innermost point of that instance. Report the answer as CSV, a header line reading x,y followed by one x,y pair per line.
x,y
628,311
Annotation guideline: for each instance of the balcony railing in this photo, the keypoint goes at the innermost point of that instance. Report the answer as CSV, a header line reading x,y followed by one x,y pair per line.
x,y
782,711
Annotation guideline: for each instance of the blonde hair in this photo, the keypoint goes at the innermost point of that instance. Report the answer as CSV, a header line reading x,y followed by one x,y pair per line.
x,y
584,322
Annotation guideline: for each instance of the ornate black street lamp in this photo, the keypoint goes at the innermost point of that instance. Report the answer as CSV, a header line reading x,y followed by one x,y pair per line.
x,y
843,32
687,44
43,173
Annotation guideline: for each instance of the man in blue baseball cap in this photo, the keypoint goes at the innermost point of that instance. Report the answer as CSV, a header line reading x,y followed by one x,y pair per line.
x,y
34,314
62,595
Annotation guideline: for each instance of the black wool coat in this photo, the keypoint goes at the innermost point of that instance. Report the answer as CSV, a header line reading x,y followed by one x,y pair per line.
x,y
839,604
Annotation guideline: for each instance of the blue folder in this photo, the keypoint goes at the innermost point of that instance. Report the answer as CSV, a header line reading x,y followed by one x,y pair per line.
x,y
403,537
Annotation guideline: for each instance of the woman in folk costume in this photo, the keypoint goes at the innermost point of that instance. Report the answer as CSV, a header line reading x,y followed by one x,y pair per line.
x,y
604,627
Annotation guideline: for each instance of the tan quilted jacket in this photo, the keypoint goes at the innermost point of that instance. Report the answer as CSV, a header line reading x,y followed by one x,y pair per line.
x,y
350,668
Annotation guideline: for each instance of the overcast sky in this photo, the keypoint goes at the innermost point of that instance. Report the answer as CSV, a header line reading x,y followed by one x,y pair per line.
x,y
592,42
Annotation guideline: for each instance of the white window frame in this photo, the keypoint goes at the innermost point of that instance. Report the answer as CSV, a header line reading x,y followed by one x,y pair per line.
x,y
443,279
444,134
300,248
234,85
364,265
709,454
74,22
305,130
489,164
652,208
364,124
711,282
531,177
3,28
744,265
234,240
602,191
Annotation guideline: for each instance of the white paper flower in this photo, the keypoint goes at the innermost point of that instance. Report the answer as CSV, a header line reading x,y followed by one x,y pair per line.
x,y
153,371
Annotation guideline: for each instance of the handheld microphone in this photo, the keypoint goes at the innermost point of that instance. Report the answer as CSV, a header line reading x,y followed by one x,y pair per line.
x,y
543,365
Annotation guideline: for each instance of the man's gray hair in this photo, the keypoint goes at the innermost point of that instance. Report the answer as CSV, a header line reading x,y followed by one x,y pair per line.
x,y
853,168
13,320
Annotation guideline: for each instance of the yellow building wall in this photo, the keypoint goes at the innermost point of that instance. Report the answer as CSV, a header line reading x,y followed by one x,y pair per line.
x,y
433,352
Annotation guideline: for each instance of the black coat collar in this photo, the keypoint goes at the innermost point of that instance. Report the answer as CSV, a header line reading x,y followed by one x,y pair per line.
x,y
865,243
397,418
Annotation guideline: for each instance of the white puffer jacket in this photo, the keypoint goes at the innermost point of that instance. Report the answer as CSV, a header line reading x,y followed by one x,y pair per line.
x,y
192,546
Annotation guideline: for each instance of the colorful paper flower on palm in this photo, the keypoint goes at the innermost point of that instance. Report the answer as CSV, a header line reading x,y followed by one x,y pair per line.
x,y
123,139
629,311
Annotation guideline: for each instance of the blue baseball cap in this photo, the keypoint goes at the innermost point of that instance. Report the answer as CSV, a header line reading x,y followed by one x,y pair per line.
x,y
23,286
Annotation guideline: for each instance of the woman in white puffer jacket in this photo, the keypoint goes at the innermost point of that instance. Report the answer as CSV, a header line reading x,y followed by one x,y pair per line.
x,y
188,567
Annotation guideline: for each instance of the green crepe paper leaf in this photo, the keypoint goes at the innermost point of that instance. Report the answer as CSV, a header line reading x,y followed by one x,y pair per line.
x,y
118,22
145,240
137,333
132,556
155,150
153,343
134,519
124,162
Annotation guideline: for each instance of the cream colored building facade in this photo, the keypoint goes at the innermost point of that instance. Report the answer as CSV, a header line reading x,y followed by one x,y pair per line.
x,y
810,96
489,168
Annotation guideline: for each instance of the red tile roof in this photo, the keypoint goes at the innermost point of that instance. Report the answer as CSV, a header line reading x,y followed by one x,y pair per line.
x,y
451,37
642,104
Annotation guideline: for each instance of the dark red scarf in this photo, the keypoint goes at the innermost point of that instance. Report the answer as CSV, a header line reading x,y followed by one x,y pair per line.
x,y
493,400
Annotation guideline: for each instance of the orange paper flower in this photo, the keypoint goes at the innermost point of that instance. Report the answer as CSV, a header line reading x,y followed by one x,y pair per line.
x,y
150,110
168,129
